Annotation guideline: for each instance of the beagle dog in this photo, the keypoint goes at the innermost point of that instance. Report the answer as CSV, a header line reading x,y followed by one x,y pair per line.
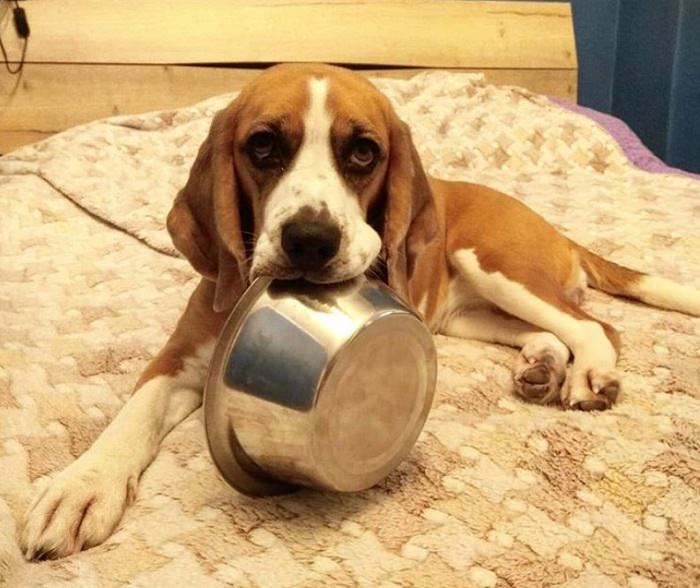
x,y
310,173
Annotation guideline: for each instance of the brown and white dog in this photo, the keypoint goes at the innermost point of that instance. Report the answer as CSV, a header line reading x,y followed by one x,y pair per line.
x,y
310,173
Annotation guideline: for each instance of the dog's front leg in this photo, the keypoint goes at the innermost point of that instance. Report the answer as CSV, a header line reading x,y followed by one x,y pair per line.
x,y
82,505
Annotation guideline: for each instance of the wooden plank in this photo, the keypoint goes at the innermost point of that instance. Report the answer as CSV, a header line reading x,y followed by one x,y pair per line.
x,y
526,43
4,13
56,97
10,140
50,98
509,35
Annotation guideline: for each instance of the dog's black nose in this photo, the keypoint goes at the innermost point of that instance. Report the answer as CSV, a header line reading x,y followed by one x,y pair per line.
x,y
310,244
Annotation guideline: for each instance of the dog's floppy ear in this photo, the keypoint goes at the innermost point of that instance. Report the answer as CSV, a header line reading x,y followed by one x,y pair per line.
x,y
205,220
410,214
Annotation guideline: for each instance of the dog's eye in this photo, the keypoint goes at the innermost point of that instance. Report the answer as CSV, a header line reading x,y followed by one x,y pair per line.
x,y
262,148
363,154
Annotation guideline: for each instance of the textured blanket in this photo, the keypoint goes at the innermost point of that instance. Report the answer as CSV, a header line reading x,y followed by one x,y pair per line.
x,y
496,492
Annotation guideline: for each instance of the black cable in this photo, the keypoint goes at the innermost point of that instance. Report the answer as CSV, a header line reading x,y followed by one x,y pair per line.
x,y
19,18
7,61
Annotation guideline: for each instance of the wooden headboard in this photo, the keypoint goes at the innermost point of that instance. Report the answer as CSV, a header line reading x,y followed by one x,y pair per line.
x,y
89,59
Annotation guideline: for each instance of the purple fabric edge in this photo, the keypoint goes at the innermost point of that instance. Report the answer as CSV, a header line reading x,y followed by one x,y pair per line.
x,y
638,154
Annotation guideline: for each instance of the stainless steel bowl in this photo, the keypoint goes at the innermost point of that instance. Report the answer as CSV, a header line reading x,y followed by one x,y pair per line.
x,y
321,386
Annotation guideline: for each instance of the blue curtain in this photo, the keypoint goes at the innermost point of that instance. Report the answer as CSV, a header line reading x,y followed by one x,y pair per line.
x,y
640,61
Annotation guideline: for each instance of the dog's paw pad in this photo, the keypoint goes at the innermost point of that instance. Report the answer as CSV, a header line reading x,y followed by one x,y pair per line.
x,y
590,405
540,371
603,389
538,374
537,382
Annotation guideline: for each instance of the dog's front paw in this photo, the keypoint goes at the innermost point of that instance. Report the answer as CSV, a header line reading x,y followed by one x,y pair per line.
x,y
595,389
79,509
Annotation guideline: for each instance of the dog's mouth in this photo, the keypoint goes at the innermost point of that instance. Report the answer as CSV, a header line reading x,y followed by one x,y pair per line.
x,y
275,272
314,277
322,278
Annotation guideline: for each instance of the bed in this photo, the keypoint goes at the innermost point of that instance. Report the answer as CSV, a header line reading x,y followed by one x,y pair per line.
x,y
497,492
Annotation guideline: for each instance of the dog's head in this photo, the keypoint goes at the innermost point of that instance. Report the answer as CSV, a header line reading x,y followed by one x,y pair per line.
x,y
307,173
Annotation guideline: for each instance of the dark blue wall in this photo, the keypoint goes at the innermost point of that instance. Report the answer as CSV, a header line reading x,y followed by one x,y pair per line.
x,y
683,142
595,22
647,33
640,61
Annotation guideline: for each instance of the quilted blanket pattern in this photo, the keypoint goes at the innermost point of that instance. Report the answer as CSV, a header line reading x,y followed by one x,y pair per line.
x,y
496,492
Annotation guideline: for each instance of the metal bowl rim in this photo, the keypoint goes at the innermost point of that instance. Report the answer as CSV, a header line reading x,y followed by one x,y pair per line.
x,y
252,483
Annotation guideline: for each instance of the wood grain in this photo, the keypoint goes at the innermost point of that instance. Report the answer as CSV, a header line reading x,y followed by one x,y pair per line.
x,y
10,140
50,98
420,34
89,59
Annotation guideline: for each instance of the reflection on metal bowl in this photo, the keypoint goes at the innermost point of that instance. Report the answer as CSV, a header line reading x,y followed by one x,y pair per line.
x,y
321,386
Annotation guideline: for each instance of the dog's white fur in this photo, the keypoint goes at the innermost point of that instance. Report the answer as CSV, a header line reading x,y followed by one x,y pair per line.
x,y
667,294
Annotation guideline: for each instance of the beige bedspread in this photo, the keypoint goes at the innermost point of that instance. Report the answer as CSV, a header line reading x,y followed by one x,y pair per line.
x,y
496,492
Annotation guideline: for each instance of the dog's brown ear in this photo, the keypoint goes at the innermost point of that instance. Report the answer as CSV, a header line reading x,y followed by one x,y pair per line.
x,y
205,220
410,214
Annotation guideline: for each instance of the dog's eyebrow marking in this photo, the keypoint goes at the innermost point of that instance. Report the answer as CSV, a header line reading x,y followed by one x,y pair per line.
x,y
362,128
276,124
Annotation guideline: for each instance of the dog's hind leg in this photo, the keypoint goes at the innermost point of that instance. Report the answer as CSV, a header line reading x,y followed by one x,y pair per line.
x,y
593,383
540,369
